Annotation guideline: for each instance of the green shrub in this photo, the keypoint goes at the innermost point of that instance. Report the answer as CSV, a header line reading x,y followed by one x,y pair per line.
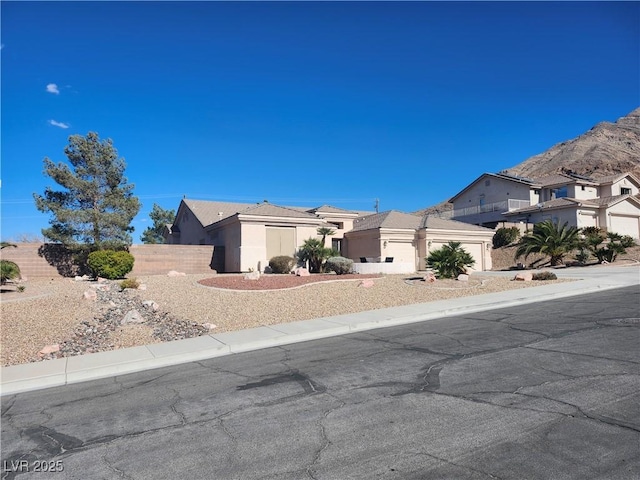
x,y
593,232
282,264
340,265
583,255
450,261
110,264
546,275
129,283
627,241
8,271
505,236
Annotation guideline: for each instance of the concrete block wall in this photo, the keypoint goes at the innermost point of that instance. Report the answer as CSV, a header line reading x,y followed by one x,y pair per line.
x,y
149,259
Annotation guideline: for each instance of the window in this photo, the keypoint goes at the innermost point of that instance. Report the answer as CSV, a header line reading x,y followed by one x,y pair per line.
x,y
559,192
625,191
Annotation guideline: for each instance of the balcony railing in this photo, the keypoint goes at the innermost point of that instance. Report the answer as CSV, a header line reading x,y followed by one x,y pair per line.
x,y
499,207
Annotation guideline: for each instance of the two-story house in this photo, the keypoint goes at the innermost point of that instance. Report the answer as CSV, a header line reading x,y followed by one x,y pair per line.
x,y
608,202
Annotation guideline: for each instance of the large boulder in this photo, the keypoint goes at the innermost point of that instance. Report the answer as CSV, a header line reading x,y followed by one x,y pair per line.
x,y
301,272
252,276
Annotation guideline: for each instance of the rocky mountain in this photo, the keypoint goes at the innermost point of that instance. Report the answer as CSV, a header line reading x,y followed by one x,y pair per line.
x,y
607,149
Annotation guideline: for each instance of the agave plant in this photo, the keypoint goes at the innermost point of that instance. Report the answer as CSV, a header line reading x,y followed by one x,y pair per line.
x,y
550,239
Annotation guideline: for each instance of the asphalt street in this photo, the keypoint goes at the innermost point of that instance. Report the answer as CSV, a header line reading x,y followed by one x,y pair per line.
x,y
542,391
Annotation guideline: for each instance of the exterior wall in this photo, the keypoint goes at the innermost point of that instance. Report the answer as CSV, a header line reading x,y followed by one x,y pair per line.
x,y
624,183
556,216
229,236
481,198
576,191
363,244
191,231
253,250
149,260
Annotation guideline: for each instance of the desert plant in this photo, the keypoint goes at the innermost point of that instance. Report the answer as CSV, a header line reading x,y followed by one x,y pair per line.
x,y
546,275
627,241
505,236
605,246
339,265
583,255
8,271
314,252
550,239
593,231
129,283
282,264
325,231
110,264
450,261
21,288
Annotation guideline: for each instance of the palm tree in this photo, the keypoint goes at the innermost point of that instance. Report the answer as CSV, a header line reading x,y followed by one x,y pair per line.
x,y
324,231
450,261
550,239
8,270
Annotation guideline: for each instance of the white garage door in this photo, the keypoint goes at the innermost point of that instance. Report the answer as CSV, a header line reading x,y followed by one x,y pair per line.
x,y
625,225
400,251
475,249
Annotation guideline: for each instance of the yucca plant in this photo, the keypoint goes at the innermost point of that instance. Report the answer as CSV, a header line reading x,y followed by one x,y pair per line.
x,y
450,261
551,239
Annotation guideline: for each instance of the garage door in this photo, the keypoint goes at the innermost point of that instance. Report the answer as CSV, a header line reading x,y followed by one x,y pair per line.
x,y
625,225
475,249
400,251
281,241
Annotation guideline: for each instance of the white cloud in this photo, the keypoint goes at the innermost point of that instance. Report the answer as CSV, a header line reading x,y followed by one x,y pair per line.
x,y
53,88
58,124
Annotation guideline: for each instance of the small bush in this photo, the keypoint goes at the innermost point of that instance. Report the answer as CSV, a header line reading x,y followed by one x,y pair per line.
x,y
505,236
546,275
21,288
110,264
340,265
8,271
129,283
582,256
282,264
627,241
593,232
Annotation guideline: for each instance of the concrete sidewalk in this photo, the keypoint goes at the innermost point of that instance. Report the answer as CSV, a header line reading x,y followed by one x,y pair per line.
x,y
50,373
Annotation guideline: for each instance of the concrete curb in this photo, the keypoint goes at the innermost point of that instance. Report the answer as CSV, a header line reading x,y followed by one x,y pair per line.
x,y
64,371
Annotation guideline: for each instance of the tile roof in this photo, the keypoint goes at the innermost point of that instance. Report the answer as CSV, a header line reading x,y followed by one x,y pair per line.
x,y
208,212
388,219
329,209
270,210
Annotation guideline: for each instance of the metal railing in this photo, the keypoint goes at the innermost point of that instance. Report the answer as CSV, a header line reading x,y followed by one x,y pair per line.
x,y
504,206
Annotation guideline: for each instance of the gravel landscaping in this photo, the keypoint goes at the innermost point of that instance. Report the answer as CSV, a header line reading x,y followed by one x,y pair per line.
x,y
53,312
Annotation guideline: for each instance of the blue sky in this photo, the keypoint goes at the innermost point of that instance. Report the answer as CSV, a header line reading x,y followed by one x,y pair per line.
x,y
305,103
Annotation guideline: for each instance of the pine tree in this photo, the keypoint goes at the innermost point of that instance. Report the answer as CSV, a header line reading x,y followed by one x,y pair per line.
x,y
96,205
160,218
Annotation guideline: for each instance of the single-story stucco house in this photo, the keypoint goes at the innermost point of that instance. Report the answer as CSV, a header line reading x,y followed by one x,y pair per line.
x,y
245,236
